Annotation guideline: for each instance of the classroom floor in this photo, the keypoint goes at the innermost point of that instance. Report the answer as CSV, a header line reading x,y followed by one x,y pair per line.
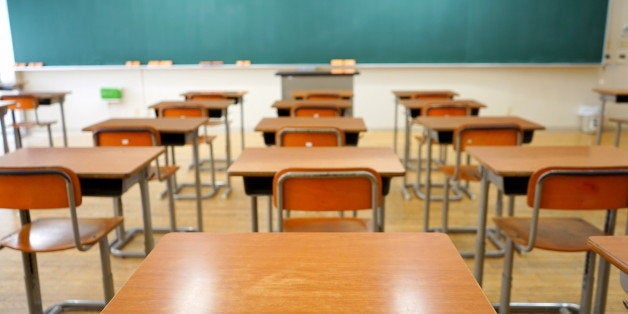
x,y
539,276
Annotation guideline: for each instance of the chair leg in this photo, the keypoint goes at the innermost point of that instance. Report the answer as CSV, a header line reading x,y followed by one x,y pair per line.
x,y
586,296
270,214
18,137
105,262
31,280
50,136
504,300
445,208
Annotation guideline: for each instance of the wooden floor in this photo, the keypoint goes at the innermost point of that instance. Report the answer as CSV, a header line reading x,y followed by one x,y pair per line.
x,y
538,276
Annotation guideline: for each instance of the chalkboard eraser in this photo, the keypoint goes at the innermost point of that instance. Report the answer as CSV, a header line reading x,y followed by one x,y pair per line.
x,y
205,63
132,63
243,63
20,64
160,62
342,62
35,64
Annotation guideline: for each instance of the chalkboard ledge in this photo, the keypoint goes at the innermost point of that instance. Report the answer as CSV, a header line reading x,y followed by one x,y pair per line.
x,y
282,67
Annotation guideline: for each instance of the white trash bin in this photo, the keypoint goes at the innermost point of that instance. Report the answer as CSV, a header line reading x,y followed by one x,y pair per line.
x,y
589,118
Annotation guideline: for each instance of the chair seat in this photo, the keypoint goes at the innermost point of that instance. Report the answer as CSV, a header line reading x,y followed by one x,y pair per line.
x,y
55,234
554,234
324,224
30,124
466,173
165,172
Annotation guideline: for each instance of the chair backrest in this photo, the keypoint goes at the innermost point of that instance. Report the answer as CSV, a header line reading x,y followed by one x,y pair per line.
x,y
447,110
487,135
323,96
126,136
182,111
315,111
327,189
310,136
209,96
432,96
39,188
578,188
22,102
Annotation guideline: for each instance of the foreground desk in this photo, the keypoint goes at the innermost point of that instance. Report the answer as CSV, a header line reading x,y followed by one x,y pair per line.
x,y
614,250
103,171
257,166
608,94
284,106
48,98
236,96
509,168
418,95
4,108
215,109
351,126
173,132
302,272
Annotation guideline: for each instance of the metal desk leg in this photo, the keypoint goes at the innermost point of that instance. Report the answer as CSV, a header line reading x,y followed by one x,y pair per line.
x,y
197,184
63,127
5,141
396,109
617,134
254,226
241,101
428,186
604,268
149,242
480,244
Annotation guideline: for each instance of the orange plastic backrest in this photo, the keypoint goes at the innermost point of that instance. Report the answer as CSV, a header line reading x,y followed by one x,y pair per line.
x,y
487,135
32,189
310,137
208,97
127,136
22,102
323,96
181,112
447,110
591,188
327,194
315,111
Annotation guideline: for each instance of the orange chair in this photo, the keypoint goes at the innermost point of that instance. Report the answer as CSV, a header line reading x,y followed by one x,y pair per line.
x,y
142,136
466,136
315,111
310,136
25,103
184,111
559,188
323,96
435,110
40,188
321,190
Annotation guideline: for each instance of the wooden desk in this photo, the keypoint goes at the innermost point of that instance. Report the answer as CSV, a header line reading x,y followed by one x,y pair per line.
x,y
441,130
103,171
351,126
285,106
619,121
415,94
215,109
47,98
238,99
509,168
4,108
618,95
173,132
257,166
302,272
614,250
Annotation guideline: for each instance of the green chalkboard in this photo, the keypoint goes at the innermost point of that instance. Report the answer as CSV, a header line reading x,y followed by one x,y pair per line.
x,y
100,32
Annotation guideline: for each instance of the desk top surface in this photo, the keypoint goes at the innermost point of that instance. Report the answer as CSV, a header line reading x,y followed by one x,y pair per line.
x,y
522,161
219,104
448,124
289,103
302,272
613,248
223,93
611,91
164,125
346,124
38,94
266,161
302,94
86,162
422,103
618,119
401,94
